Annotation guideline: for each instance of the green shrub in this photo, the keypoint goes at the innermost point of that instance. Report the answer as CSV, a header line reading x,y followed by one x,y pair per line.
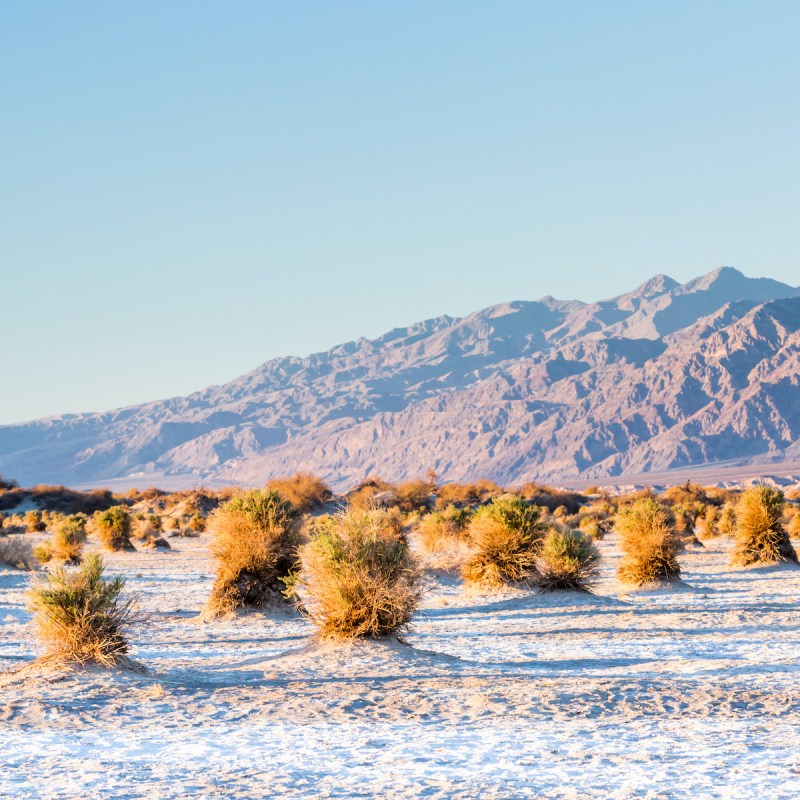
x,y
114,528
79,615
567,561
505,535
358,578
255,539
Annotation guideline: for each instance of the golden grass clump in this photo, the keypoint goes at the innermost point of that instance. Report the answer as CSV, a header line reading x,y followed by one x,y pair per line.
x,y
567,561
649,543
69,538
114,528
505,535
760,536
793,528
304,491
255,540
34,522
358,578
79,616
17,552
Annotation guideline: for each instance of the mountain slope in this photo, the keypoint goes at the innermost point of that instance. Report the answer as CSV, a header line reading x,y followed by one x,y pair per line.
x,y
665,376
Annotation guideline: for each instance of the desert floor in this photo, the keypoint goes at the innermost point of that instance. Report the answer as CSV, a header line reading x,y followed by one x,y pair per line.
x,y
691,692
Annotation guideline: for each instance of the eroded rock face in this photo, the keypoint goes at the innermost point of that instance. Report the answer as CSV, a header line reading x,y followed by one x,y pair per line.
x,y
666,376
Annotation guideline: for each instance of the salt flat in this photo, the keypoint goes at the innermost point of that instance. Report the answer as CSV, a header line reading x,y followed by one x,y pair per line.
x,y
665,694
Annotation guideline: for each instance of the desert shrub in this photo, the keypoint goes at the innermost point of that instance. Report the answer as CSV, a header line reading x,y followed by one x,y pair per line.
x,y
436,532
114,528
305,492
34,522
707,524
567,560
793,528
174,523
197,523
69,538
156,523
255,539
16,551
505,535
358,578
43,552
649,544
414,496
553,499
372,493
466,494
760,536
72,501
726,523
79,616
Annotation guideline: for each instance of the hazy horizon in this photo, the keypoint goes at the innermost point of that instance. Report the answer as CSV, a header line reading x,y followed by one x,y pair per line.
x,y
192,189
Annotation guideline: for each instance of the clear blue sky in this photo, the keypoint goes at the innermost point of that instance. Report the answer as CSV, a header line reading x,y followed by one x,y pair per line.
x,y
188,189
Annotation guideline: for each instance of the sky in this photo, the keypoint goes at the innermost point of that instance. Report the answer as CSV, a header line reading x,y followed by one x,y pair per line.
x,y
188,189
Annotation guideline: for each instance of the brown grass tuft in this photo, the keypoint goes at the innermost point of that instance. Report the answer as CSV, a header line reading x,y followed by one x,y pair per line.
x,y
649,544
358,578
567,561
760,536
255,538
505,534
79,616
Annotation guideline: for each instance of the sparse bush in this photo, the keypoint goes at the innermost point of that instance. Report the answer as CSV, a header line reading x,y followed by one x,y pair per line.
x,y
760,536
197,523
726,524
255,539
69,538
114,528
16,551
506,534
358,578
414,496
793,528
34,523
305,492
79,615
649,543
567,561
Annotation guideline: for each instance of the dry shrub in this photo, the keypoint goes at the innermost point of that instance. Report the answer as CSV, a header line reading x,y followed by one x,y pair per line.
x,y
439,528
793,528
34,523
372,493
72,501
255,539
17,552
726,523
505,534
414,496
197,523
69,538
79,615
358,578
466,494
567,561
707,524
114,528
305,492
760,536
557,501
687,494
649,544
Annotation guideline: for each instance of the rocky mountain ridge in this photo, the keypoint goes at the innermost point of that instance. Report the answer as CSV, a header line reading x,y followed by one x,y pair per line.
x,y
666,376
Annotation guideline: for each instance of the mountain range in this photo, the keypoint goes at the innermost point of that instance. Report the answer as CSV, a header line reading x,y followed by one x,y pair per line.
x,y
664,377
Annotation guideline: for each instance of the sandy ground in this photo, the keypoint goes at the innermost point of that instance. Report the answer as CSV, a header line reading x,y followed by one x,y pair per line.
x,y
669,694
